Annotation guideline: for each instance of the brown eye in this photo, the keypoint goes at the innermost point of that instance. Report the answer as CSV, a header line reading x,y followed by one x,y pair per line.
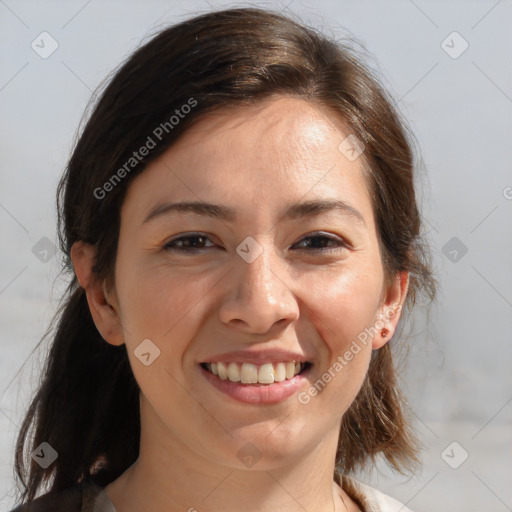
x,y
196,243
319,243
190,243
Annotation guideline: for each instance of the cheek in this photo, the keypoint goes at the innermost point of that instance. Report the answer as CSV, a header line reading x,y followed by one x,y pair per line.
x,y
343,306
345,302
154,297
165,305
161,306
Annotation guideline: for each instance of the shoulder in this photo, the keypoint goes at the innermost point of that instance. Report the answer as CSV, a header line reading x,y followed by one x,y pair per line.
x,y
79,497
69,500
371,499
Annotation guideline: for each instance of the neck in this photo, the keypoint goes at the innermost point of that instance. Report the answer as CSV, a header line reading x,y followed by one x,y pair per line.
x,y
170,476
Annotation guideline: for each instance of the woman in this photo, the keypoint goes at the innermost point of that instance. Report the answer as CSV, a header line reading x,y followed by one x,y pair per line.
x,y
239,215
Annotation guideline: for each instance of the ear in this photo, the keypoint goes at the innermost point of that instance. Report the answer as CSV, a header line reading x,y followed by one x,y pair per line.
x,y
103,306
390,310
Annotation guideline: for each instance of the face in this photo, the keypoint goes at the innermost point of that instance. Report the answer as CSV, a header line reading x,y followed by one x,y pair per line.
x,y
257,279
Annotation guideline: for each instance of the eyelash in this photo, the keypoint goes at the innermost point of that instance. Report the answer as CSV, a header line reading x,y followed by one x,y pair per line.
x,y
341,244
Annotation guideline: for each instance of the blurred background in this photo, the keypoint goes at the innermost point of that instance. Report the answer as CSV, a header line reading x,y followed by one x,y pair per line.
x,y
448,66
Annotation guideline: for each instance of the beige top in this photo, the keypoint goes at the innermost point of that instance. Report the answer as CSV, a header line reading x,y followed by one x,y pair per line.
x,y
368,498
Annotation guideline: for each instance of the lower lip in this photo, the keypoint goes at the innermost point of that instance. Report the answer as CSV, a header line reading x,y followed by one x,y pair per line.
x,y
257,393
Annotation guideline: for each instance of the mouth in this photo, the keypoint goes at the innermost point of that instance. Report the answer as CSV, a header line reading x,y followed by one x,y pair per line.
x,y
250,373
258,384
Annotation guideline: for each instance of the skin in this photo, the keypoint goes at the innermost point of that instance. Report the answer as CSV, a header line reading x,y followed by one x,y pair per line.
x,y
192,306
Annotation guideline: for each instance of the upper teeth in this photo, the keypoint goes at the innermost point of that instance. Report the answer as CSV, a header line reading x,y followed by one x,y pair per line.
x,y
249,373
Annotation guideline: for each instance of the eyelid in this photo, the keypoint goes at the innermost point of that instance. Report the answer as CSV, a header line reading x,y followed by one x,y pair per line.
x,y
185,235
342,242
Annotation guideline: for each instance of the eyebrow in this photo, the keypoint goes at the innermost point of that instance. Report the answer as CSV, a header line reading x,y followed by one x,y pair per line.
x,y
225,213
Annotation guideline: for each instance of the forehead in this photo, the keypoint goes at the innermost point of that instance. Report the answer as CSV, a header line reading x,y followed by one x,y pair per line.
x,y
285,128
278,151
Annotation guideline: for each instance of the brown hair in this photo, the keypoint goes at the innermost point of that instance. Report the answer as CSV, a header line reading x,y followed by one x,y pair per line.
x,y
87,404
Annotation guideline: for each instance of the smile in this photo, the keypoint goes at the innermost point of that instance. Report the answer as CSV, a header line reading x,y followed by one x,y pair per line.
x,y
257,383
249,373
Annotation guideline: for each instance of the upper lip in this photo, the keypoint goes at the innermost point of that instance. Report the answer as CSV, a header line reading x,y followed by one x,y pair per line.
x,y
258,356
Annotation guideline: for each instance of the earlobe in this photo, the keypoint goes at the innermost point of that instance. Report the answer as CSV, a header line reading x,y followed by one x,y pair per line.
x,y
105,316
391,309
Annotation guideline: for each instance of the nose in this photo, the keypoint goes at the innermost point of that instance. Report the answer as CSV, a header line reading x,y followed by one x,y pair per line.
x,y
260,294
